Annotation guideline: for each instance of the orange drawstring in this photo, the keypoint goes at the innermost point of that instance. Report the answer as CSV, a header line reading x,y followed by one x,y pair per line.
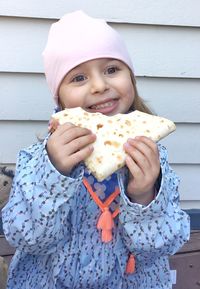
x,y
105,222
130,266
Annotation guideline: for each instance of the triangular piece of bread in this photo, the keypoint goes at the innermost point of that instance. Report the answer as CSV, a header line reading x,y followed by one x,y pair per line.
x,y
112,132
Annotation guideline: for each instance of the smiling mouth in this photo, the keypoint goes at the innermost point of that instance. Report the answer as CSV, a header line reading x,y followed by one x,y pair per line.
x,y
103,105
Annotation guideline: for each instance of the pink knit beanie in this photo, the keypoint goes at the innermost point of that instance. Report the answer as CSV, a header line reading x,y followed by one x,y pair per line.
x,y
77,38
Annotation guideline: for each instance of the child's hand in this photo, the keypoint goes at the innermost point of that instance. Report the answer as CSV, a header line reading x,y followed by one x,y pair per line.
x,y
68,146
144,167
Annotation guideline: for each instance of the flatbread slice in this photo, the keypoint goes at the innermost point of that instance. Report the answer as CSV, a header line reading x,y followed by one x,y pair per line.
x,y
112,132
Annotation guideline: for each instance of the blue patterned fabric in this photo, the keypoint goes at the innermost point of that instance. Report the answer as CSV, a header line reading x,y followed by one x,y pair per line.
x,y
103,189
51,220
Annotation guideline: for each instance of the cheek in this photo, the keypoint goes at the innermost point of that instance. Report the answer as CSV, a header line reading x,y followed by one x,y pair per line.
x,y
126,87
70,98
129,92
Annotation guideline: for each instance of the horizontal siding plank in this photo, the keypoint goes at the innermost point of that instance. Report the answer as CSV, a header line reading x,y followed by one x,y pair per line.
x,y
176,99
22,43
21,93
190,204
189,181
163,51
17,135
183,145
155,50
168,12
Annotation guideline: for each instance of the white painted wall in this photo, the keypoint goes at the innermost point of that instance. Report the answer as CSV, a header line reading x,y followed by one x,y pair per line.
x,y
165,12
163,38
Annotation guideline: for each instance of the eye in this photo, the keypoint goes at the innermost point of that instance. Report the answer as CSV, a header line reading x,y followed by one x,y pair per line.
x,y
78,78
112,69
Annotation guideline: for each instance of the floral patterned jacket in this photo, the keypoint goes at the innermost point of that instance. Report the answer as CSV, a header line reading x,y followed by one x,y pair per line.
x,y
51,220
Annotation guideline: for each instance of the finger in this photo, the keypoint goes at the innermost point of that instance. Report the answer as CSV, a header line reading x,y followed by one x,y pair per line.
x,y
73,133
149,142
80,142
150,150
133,167
62,128
81,155
147,147
138,157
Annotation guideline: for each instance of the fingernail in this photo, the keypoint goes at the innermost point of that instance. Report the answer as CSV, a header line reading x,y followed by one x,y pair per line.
x,y
127,145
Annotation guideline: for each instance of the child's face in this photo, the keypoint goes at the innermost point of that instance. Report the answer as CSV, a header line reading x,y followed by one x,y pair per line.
x,y
100,85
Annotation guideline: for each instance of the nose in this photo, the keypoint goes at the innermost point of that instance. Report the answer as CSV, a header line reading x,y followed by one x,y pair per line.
x,y
98,83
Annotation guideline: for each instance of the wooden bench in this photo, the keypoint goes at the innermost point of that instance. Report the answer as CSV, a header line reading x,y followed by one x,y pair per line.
x,y
185,264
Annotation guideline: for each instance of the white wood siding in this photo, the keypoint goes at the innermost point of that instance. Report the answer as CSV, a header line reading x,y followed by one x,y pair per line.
x,y
159,51
165,12
163,38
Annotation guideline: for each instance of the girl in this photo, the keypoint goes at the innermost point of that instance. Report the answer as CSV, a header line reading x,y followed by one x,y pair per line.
x,y
54,215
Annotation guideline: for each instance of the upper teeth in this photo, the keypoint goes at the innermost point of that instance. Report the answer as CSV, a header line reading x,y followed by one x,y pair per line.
x,y
103,105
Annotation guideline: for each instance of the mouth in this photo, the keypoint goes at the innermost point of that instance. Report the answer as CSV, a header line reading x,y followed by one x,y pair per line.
x,y
104,107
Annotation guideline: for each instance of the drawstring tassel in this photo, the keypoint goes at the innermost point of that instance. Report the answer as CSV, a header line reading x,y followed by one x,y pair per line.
x,y
106,220
106,224
130,266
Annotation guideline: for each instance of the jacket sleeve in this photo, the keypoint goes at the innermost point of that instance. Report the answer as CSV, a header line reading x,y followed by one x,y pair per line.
x,y
36,218
161,228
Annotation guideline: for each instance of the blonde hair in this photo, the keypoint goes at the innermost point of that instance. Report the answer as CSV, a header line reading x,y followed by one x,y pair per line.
x,y
138,102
